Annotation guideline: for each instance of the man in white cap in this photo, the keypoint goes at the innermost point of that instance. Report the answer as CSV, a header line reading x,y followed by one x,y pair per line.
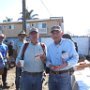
x,y
61,57
21,40
34,58
4,52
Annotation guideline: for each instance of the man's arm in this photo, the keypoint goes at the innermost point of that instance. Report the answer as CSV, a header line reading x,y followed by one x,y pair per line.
x,y
74,57
19,56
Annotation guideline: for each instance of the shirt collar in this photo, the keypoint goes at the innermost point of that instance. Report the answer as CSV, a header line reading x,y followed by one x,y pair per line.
x,y
59,42
33,44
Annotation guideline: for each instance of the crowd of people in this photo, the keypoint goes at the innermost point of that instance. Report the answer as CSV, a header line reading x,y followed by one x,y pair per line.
x,y
33,58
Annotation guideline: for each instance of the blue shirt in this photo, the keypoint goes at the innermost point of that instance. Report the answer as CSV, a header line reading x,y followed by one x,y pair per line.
x,y
55,52
18,45
4,50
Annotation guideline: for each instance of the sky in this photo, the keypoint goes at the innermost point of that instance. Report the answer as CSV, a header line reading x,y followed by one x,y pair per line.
x,y
76,13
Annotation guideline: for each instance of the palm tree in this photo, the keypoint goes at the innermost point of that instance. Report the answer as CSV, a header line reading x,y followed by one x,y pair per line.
x,y
29,15
7,19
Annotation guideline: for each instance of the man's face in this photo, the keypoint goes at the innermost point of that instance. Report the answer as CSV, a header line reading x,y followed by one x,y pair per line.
x,y
56,35
1,39
21,37
34,36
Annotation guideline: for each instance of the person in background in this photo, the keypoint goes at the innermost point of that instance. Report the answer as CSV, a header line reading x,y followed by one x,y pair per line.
x,y
67,36
21,40
4,52
6,41
61,57
34,59
10,49
10,52
72,70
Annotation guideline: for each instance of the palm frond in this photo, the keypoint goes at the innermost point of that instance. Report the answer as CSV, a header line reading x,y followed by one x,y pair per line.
x,y
31,11
34,15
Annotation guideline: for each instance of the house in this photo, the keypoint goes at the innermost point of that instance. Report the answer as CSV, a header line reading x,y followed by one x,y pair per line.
x,y
11,29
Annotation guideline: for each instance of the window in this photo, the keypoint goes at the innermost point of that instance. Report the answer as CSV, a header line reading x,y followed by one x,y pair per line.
x,y
62,26
35,25
1,27
5,26
42,25
27,25
1,31
11,27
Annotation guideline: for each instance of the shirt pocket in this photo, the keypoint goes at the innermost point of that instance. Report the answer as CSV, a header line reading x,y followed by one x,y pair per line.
x,y
65,55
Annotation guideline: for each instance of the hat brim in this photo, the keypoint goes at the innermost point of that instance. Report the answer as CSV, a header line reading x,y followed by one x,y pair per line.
x,y
22,34
55,30
33,31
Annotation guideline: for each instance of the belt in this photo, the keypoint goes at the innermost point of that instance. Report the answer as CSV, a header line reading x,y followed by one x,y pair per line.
x,y
59,72
33,73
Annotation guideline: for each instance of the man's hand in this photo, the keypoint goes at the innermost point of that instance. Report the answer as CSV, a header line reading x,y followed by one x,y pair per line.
x,y
58,67
43,57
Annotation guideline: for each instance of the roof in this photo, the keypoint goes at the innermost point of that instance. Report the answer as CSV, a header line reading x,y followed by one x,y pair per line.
x,y
34,20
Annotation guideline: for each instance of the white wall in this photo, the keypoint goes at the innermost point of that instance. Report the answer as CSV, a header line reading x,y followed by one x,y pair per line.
x,y
82,42
47,41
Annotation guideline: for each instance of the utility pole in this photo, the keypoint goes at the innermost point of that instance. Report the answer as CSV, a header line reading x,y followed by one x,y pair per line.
x,y
24,15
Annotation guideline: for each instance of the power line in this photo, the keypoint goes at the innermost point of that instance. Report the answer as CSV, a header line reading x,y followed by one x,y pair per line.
x,y
45,7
